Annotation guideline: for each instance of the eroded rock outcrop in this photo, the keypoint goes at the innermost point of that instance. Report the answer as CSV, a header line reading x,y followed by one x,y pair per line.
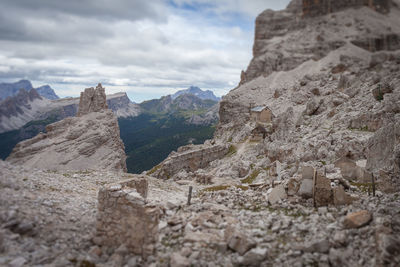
x,y
90,141
317,8
92,100
275,48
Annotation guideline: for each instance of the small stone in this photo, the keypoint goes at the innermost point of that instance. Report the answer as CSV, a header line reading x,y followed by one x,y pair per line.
x,y
17,262
132,262
177,260
340,197
276,226
186,252
322,210
116,259
293,187
238,241
277,194
95,250
357,219
323,194
254,257
340,238
339,257
321,246
312,107
315,91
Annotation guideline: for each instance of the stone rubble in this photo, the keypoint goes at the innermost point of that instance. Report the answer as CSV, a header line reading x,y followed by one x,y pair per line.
x,y
303,196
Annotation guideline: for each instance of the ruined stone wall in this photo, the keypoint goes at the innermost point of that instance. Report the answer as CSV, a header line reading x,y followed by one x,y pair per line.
x,y
313,8
124,218
190,160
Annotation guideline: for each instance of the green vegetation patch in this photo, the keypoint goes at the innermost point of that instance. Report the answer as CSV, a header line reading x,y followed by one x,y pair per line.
x,y
244,188
223,187
363,187
154,169
216,188
250,179
232,150
361,129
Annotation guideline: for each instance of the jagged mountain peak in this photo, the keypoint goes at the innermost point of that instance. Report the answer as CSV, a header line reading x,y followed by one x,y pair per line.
x,y
11,89
47,92
194,90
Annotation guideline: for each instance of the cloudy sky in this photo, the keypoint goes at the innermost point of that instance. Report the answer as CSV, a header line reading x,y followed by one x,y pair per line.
x,y
146,48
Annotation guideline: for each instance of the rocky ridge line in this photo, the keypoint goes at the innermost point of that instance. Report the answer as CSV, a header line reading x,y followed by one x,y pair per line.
x,y
88,141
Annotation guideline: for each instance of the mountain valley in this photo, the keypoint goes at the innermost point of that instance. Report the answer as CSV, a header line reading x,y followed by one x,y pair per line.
x,y
153,128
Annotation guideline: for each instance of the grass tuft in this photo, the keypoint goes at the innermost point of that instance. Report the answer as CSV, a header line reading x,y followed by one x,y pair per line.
x,y
154,169
250,179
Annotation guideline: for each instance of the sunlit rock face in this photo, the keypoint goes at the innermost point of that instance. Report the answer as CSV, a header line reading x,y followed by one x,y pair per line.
x,y
88,141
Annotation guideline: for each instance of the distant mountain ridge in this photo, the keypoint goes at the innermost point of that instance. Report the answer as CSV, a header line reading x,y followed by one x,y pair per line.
x,y
152,128
26,107
12,89
194,109
196,91
47,92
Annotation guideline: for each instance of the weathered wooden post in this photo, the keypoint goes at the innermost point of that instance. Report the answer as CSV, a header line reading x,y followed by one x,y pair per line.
x,y
314,186
190,195
373,184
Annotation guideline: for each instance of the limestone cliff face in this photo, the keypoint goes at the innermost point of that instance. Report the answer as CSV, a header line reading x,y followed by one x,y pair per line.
x,y
285,39
120,104
330,73
317,7
88,141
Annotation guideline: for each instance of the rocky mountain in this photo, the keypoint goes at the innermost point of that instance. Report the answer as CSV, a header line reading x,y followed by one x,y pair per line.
x,y
328,75
196,110
12,89
303,169
88,141
47,92
122,106
153,128
164,125
196,91
280,43
15,112
18,110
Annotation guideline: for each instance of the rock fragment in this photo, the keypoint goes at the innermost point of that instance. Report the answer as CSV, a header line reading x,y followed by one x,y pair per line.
x,y
238,241
357,219
177,260
323,195
277,194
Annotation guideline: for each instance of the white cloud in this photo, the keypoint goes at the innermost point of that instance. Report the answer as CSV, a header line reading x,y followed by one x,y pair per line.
x,y
148,56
